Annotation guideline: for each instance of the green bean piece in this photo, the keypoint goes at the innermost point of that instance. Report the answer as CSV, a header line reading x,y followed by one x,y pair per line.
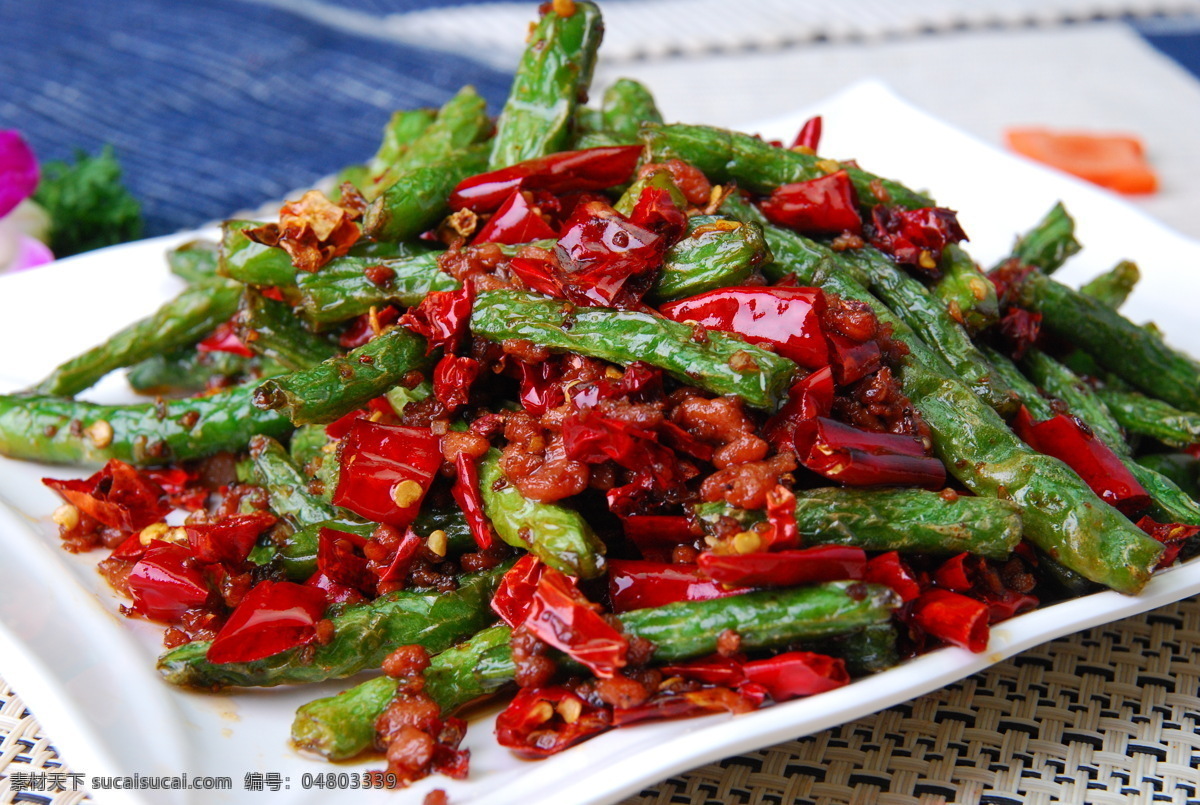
x,y
898,520
194,261
189,371
252,262
402,130
270,329
1031,396
557,535
551,81
722,363
710,259
1060,382
1113,286
758,166
309,442
183,321
461,122
1182,469
626,106
419,198
1131,352
341,384
363,636
1050,243
865,652
55,430
1138,413
1171,504
598,139
967,293
450,520
341,726
286,484
1061,514
341,290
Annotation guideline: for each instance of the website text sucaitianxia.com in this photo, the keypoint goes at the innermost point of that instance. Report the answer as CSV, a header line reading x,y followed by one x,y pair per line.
x,y
56,781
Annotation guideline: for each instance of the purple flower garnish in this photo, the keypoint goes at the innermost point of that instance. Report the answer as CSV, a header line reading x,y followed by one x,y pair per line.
x,y
18,170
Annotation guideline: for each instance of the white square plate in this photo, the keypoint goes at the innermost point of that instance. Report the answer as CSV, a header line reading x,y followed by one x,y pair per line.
x,y
89,674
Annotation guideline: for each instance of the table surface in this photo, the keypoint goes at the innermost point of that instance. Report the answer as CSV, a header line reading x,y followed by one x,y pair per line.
x,y
1108,715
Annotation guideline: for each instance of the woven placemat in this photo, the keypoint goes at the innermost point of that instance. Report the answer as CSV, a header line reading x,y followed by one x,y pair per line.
x,y
1108,716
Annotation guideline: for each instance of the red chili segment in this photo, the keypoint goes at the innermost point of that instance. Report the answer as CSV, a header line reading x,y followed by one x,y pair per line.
x,y
452,380
468,497
890,570
809,135
166,582
808,398
116,495
562,617
826,205
797,673
605,259
225,339
1067,439
340,560
229,540
386,471
690,703
441,317
789,319
540,722
786,568
915,237
515,222
273,617
857,457
953,618
638,584
589,169
514,596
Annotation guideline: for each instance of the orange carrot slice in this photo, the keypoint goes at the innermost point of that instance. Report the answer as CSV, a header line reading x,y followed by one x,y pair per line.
x,y
1110,160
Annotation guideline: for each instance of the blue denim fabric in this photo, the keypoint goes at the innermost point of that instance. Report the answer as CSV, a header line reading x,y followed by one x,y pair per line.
x,y
211,106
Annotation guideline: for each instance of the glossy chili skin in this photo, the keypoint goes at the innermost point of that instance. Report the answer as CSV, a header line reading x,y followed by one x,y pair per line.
x,y
856,457
273,617
166,582
789,319
386,471
952,617
787,568
515,222
638,584
1068,440
826,205
589,169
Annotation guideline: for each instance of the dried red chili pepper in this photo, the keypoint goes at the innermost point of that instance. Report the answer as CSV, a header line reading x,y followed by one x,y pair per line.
x,y
638,584
541,387
229,540
1066,438
335,593
852,360
340,560
953,618
781,516
826,205
452,380
862,458
797,673
441,317
515,222
605,259
589,169
166,582
1004,605
561,616
789,319
537,275
1172,535
808,398
274,616
225,339
915,237
657,534
689,703
540,722
959,573
656,211
890,570
809,135
402,559
1019,330
785,568
386,471
116,495
468,497
514,596
362,329
714,670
